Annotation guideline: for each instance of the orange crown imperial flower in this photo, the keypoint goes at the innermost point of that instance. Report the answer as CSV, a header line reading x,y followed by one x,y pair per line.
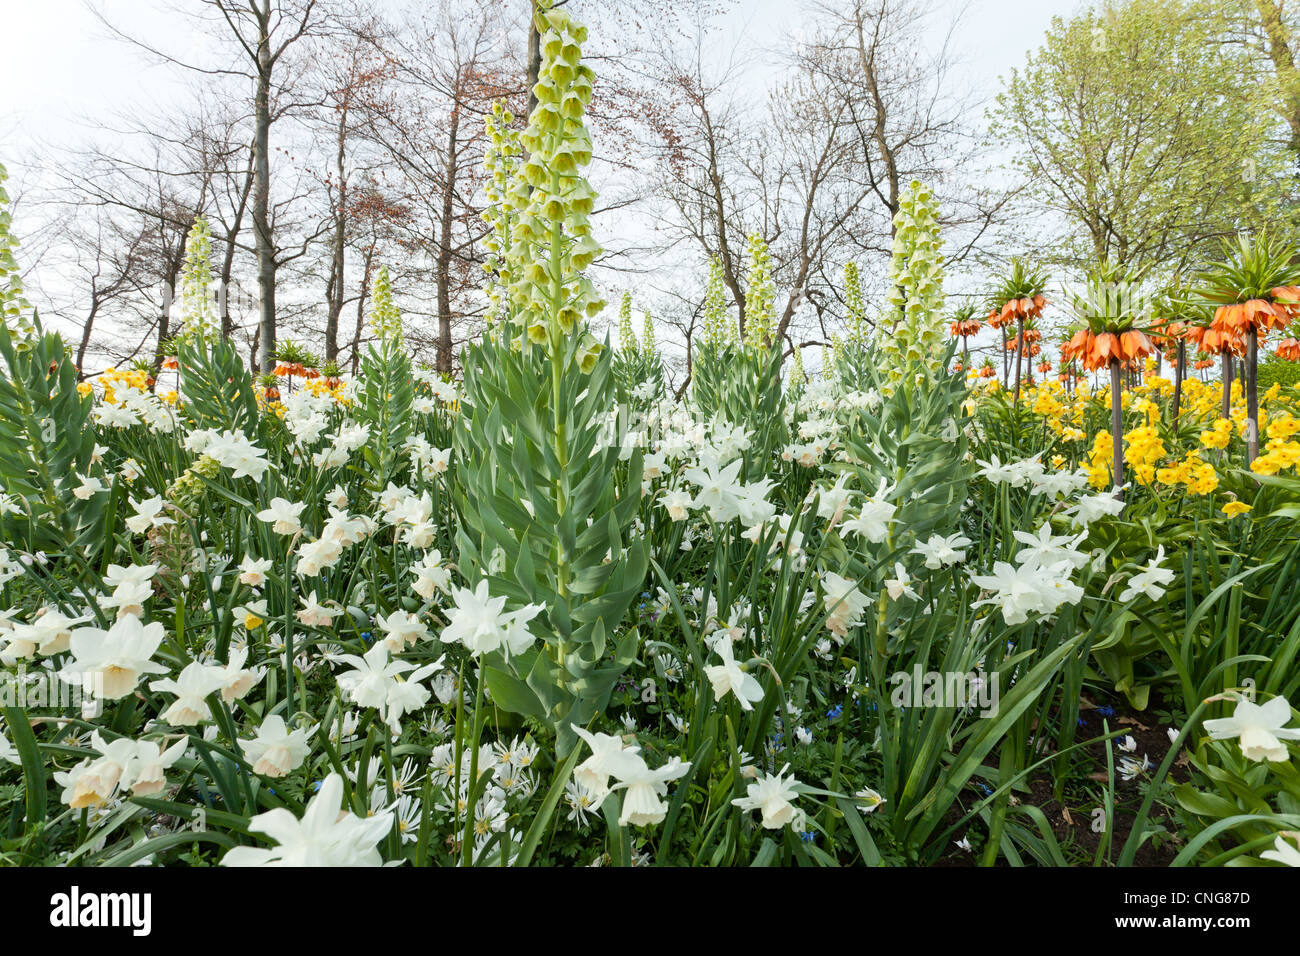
x,y
1096,350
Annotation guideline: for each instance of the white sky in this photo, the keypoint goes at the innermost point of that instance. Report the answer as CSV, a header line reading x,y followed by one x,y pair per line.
x,y
60,65
61,68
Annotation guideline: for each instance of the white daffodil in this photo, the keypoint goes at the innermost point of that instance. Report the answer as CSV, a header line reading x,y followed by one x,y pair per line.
x,y
325,836
111,662
283,516
191,687
774,796
276,750
642,803
1261,728
148,515
730,677
1151,580
1283,852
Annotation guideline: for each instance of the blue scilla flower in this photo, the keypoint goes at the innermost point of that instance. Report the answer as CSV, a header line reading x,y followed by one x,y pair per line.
x,y
367,636
315,786
808,836
1106,711
835,711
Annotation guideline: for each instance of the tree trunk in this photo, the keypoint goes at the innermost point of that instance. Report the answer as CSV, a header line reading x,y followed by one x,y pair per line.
x,y
85,333
534,56
367,263
334,288
445,240
262,190
228,258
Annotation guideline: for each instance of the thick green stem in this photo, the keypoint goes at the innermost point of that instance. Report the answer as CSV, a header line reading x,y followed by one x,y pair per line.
x,y
1252,398
471,785
1117,426
1226,410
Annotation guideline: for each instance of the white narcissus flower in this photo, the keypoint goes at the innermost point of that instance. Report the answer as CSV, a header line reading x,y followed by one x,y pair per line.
x,y
1092,507
283,515
276,750
844,603
151,762
730,677
325,836
375,681
49,634
337,497
774,796
191,688
431,576
720,489
148,514
609,757
1260,727
402,628
900,585
677,503
314,614
89,486
7,751
481,623
251,616
642,803
1283,851
872,522
93,782
252,571
1150,581
940,552
112,662
235,679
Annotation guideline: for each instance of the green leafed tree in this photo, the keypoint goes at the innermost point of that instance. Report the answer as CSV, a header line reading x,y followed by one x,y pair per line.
x,y
1146,134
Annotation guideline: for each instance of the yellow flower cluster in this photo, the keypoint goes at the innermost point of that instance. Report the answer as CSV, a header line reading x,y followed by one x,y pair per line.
x,y
1099,457
114,378
321,387
1280,453
1143,451
1197,475
1218,435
